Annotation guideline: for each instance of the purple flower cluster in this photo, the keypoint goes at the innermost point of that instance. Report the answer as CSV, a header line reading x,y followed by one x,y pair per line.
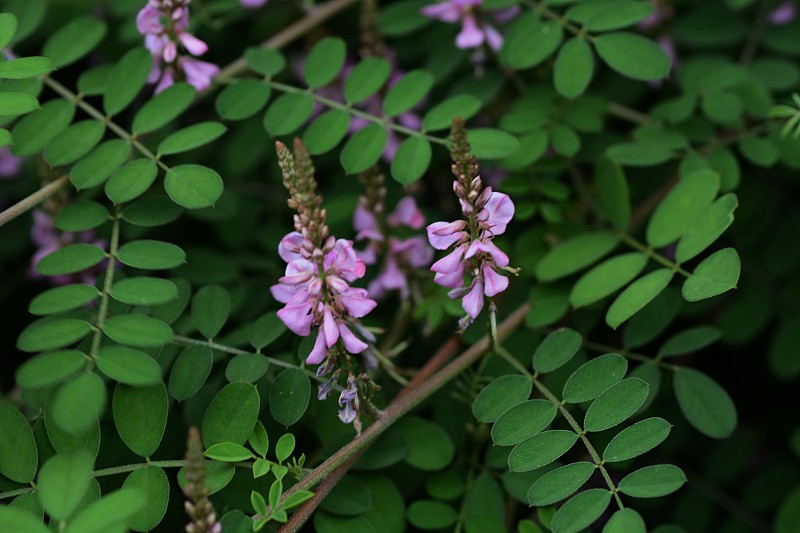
x,y
48,239
475,30
10,164
253,4
164,24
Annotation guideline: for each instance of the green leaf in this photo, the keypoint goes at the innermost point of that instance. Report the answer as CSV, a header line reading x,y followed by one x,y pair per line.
x,y
676,213
155,210
366,79
407,92
613,195
560,483
324,62
284,447
289,396
74,142
79,403
153,483
429,446
637,439
522,421
690,340
60,299
232,414
499,396
326,131
594,377
64,442
74,40
218,475
92,82
616,15
580,511
81,215
633,56
431,515
151,255
489,143
163,108
625,521
25,67
137,330
266,330
247,367
704,403
259,439
140,415
574,254
653,481
242,99
258,503
540,450
637,295
396,20
190,371
211,306
618,403
144,291
70,259
363,149
49,334
564,140
287,113
718,273
411,160
707,228
228,452
556,350
193,186
761,152
13,104
126,80
17,520
529,41
640,153
48,369
787,515
101,162
109,513
128,366
441,115
18,453
191,137
33,132
350,497
606,278
8,27
264,61
573,68
62,482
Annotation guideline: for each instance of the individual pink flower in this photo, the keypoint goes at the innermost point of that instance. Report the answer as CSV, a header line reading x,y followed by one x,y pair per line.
x,y
475,31
252,4
784,14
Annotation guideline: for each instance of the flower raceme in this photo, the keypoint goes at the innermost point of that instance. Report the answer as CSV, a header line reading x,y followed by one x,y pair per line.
x,y
474,30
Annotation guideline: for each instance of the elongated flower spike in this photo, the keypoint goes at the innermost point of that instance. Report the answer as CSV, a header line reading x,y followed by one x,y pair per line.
x,y
198,507
474,255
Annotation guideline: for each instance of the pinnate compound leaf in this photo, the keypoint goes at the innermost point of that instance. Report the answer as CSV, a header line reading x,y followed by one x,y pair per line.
x,y
74,40
580,511
541,450
153,483
652,481
49,334
594,377
575,254
163,108
191,137
62,482
366,79
193,186
616,404
18,452
20,521
707,228
60,299
637,295
606,278
111,512
363,149
704,403
613,194
126,79
676,213
232,414
50,368
140,415
690,340
573,68
522,421
716,274
411,160
625,521
633,56
289,396
128,366
556,350
560,483
407,92
228,452
637,439
499,396
324,62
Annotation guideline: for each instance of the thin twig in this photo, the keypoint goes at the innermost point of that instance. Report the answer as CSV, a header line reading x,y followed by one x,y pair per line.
x,y
31,201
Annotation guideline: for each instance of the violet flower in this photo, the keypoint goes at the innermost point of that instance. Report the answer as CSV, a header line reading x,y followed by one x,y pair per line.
x,y
784,14
164,24
474,254
252,4
10,164
475,31
348,401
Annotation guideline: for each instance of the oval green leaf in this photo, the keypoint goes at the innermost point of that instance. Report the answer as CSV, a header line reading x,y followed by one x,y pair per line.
x,y
140,415
637,295
411,160
242,99
633,56
144,291
48,369
233,412
289,396
717,274
64,298
210,308
606,278
126,80
74,142
287,113
137,330
500,395
74,40
407,92
615,405
653,481
326,131
193,186
556,350
324,62
522,421
63,480
48,334
128,366
18,453
540,450
637,439
560,483
81,215
580,511
190,371
153,483
363,149
594,377
573,68
151,255
79,403
366,79
575,254
705,404
191,137
676,213
101,162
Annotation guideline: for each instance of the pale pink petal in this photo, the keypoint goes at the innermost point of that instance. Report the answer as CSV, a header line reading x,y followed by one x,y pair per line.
x,y
407,214
444,11
493,37
471,35
495,283
329,327
450,263
193,45
451,281
351,343
357,303
499,212
319,351
473,301
290,246
282,293
167,80
442,235
297,318
364,220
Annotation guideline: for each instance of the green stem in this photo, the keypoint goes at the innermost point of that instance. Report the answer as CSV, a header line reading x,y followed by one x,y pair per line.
x,y
102,312
32,200
602,348
652,254
598,462
388,366
542,9
631,115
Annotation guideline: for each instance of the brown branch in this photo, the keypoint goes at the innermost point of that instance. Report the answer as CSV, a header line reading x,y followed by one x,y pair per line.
x,y
33,200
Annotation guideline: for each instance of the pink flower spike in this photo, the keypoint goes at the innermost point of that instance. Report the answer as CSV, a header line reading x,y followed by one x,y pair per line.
x,y
471,35
252,4
442,235
319,351
495,283
473,301
193,45
351,343
407,214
